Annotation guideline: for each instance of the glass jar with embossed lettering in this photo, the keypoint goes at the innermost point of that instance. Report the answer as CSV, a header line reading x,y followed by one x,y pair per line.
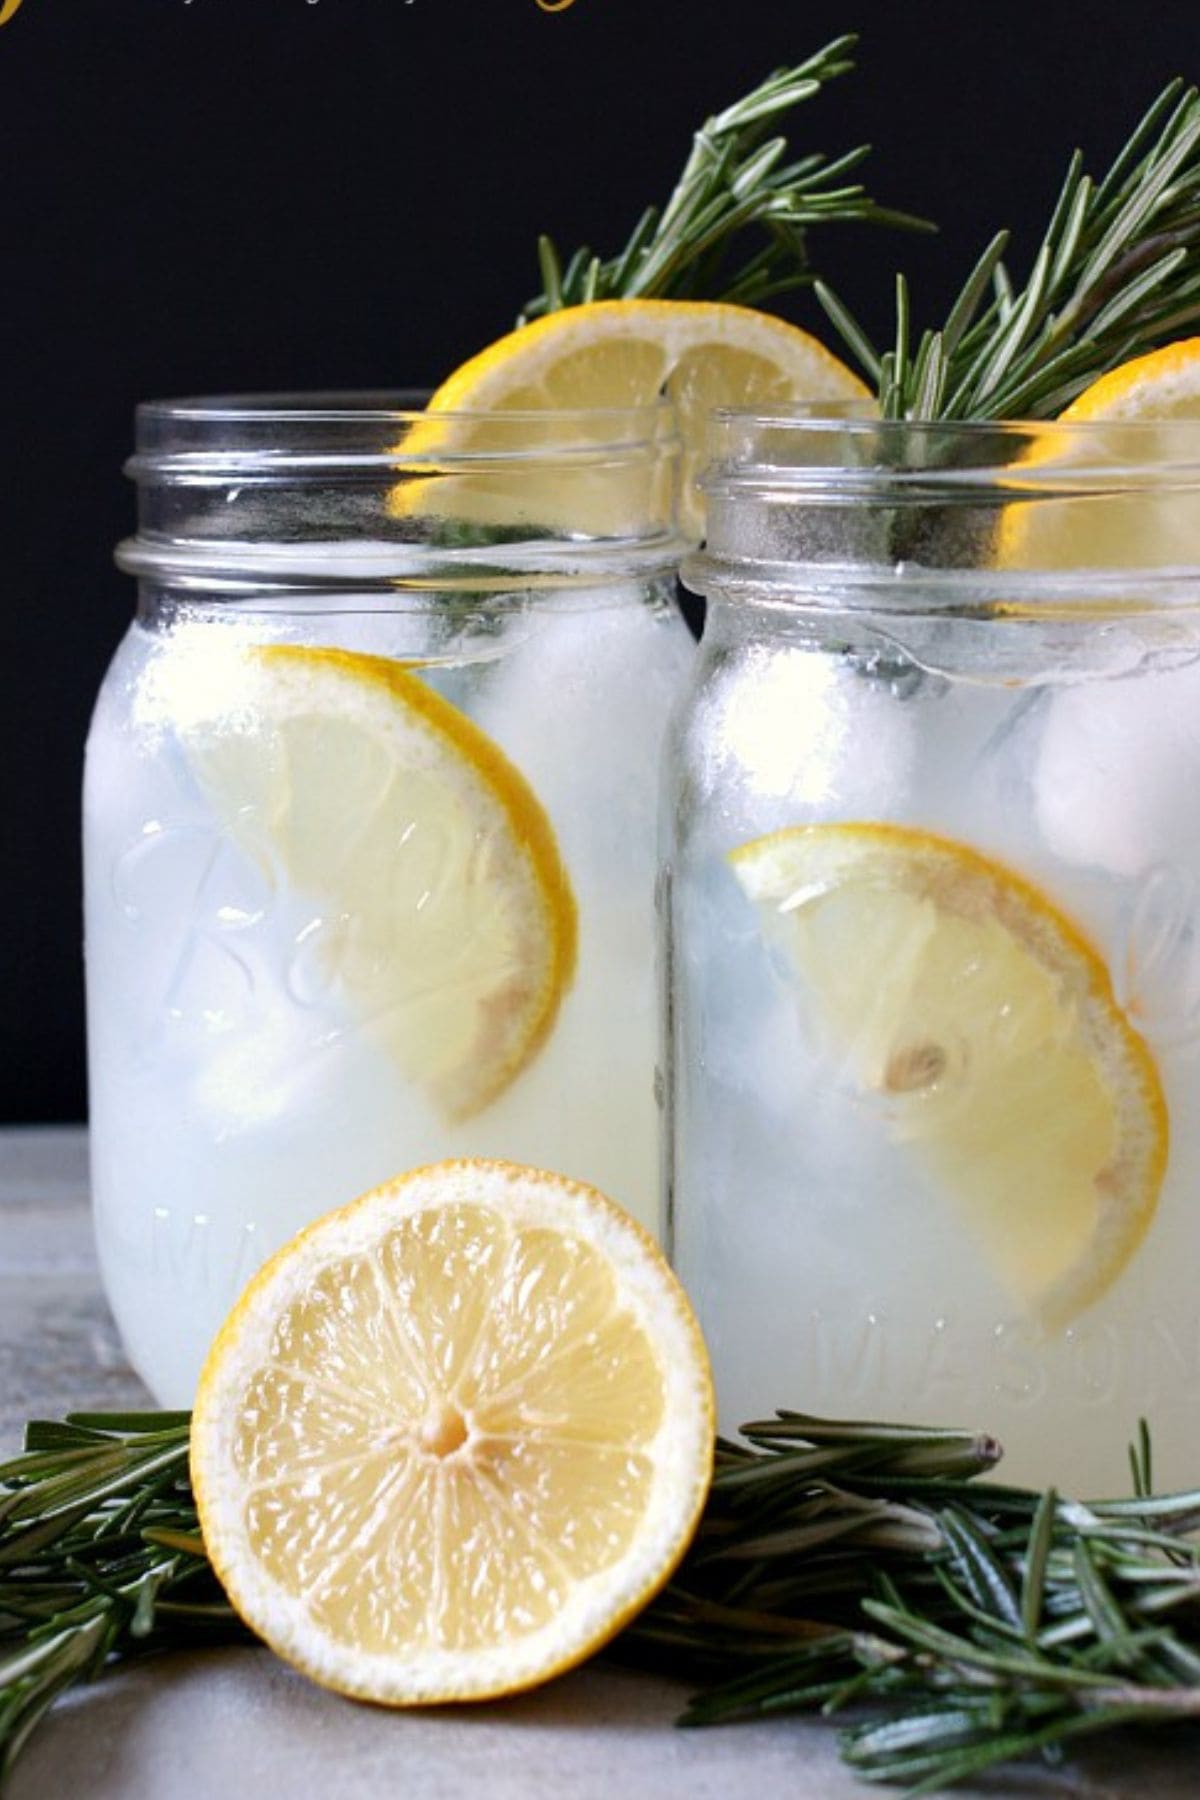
x,y
931,901
369,830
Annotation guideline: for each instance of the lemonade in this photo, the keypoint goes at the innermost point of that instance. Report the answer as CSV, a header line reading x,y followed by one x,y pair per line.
x,y
932,919
369,833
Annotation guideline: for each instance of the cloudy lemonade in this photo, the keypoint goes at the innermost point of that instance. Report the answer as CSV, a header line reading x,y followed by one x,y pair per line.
x,y
370,882
936,1031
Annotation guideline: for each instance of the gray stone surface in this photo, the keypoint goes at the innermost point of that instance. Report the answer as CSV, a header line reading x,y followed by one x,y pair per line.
x,y
58,1346
233,1723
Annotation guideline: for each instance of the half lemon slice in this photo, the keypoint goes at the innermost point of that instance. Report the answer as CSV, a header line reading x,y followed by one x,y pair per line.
x,y
1135,505
1163,384
953,992
453,1436
443,915
605,356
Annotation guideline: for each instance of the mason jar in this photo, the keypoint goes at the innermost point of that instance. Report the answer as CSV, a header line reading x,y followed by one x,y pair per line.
x,y
931,900
369,831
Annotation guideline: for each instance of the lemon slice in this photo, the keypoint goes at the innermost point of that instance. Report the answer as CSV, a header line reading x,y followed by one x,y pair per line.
x,y
453,1436
617,354
1137,522
444,919
1163,384
959,997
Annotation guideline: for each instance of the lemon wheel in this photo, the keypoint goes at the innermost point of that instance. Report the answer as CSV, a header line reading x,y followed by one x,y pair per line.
x,y
1163,384
453,1436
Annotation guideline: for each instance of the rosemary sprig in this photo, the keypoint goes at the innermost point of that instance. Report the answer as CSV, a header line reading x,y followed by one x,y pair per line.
x,y
837,1563
100,1557
737,179
843,1564
1117,272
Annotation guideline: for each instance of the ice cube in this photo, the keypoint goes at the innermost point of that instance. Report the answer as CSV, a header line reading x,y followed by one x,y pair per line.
x,y
1117,771
815,730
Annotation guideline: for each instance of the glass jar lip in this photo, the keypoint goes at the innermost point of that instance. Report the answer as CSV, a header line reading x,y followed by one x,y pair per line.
x,y
365,427
836,508
858,418
810,447
370,405
262,489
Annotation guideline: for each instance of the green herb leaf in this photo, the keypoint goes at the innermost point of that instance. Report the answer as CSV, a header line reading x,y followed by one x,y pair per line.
x,y
1116,273
736,181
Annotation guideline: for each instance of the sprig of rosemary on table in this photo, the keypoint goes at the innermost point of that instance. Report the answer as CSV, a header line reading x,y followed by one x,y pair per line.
x,y
863,1565
737,179
100,1558
1117,272
837,1564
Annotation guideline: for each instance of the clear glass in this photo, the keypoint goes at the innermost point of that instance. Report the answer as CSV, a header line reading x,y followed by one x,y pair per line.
x,y
369,826
947,709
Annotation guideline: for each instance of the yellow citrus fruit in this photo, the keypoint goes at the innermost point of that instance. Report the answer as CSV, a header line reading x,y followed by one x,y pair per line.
x,y
453,1436
446,922
618,354
1127,521
953,991
1163,384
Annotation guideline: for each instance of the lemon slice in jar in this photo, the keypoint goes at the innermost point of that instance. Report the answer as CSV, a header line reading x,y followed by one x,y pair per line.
x,y
453,1436
947,986
444,916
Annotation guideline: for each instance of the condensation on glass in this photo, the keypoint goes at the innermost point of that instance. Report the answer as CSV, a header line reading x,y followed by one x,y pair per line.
x,y
931,896
370,826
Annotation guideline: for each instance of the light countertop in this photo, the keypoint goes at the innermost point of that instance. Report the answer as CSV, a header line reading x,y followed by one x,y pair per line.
x,y
222,1723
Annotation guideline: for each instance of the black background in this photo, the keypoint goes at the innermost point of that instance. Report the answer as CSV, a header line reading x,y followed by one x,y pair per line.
x,y
256,194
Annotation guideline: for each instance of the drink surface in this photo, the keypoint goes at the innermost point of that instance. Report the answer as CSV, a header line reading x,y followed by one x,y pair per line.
x,y
241,1083
837,1262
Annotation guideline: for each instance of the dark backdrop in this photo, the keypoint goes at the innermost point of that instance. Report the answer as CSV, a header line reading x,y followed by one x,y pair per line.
x,y
207,195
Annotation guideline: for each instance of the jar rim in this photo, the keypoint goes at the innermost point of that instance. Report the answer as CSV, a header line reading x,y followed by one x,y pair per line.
x,y
333,489
821,508
342,431
848,446
347,404
861,416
